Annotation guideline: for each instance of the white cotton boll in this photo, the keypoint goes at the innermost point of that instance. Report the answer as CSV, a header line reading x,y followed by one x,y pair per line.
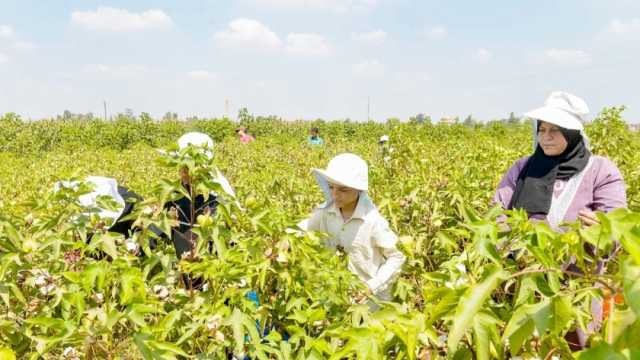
x,y
47,290
214,322
148,210
282,258
172,280
98,298
219,336
131,245
41,280
461,282
42,277
242,283
285,245
70,353
161,291
461,268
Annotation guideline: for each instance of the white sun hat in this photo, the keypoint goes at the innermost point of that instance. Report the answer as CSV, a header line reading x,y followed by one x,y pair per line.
x,y
196,139
345,170
562,109
384,138
103,186
200,139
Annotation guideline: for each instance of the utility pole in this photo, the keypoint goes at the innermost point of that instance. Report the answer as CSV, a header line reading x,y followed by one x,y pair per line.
x,y
226,108
105,110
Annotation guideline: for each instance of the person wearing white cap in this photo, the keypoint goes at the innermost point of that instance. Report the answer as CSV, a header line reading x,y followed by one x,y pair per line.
x,y
186,210
354,224
112,203
562,181
385,148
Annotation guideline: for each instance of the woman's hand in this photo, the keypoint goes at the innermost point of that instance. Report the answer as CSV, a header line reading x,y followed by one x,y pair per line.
x,y
588,217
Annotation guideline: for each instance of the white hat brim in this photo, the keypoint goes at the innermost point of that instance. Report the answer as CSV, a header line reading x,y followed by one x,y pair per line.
x,y
557,117
334,179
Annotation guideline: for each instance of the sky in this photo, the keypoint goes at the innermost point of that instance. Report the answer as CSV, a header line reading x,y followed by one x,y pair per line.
x,y
330,59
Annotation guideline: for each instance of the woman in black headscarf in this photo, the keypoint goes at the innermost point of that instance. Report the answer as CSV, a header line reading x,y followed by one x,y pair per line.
x,y
562,181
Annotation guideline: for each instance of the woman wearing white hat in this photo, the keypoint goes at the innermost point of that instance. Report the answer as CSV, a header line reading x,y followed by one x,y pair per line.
x,y
113,215
354,224
562,181
186,210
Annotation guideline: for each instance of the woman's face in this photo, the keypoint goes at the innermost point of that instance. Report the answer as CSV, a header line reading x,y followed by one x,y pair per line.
x,y
551,139
342,195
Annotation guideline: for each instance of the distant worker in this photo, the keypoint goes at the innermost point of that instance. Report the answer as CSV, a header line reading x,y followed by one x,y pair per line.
x,y
314,138
385,148
244,136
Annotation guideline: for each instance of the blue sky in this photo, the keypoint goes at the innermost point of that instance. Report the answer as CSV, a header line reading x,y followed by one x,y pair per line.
x,y
316,58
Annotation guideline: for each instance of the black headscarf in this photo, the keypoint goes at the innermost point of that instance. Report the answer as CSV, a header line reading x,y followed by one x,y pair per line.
x,y
534,188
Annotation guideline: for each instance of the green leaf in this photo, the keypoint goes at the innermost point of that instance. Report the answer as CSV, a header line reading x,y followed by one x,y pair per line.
x,y
519,328
448,303
106,242
15,239
132,287
471,302
631,243
94,276
625,330
600,352
363,342
484,327
561,314
631,273
551,314
236,328
7,354
167,347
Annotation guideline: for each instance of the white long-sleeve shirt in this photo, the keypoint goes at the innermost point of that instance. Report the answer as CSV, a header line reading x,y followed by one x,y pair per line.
x,y
366,239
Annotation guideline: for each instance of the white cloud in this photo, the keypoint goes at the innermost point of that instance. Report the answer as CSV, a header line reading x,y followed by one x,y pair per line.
x,y
438,32
621,28
24,46
3,59
202,75
483,55
247,33
567,57
121,20
96,68
371,37
118,70
370,68
6,31
307,45
340,6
